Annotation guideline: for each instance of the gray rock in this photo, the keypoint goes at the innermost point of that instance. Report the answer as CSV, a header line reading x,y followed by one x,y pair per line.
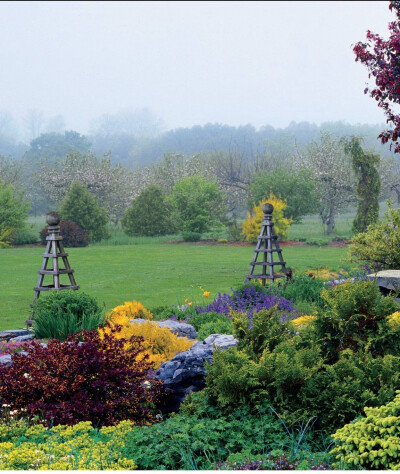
x,y
180,329
5,359
28,337
185,372
388,280
11,333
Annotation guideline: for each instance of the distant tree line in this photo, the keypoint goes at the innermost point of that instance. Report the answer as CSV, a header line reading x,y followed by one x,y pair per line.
x,y
310,168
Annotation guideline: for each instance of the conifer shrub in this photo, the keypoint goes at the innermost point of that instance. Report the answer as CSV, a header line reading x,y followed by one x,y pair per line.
x,y
96,380
61,313
72,234
346,358
372,441
149,214
355,317
81,207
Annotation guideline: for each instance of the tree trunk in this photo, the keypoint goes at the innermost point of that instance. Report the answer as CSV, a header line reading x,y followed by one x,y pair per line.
x,y
397,190
330,222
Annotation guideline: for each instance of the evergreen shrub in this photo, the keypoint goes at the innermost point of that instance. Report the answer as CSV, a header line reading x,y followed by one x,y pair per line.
x,y
149,214
61,313
348,357
370,442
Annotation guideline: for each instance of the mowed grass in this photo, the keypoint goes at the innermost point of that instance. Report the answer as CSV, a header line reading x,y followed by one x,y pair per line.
x,y
154,274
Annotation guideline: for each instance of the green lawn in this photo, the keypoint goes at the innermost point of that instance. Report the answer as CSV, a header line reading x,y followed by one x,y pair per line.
x,y
152,273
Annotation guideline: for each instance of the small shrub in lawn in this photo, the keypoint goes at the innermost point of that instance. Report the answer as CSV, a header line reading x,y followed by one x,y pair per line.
x,y
61,313
159,344
191,236
72,234
24,236
68,382
149,214
77,447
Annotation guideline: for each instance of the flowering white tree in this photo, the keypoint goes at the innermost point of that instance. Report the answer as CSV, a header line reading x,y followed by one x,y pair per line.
x,y
333,173
111,186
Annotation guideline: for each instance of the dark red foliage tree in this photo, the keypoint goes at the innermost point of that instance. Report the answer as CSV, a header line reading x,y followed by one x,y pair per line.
x,y
97,380
382,58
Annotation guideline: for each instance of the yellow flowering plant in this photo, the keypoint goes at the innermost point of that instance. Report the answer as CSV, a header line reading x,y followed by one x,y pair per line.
x,y
251,227
77,447
303,321
129,310
160,344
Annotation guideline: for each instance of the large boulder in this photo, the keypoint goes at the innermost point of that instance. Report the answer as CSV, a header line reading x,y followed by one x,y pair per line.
x,y
15,335
178,328
185,372
387,280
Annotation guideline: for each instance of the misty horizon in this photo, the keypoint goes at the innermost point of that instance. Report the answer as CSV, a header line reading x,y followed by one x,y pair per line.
x,y
188,63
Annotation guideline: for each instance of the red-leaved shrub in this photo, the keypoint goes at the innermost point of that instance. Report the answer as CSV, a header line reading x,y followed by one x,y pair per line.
x,y
73,235
97,380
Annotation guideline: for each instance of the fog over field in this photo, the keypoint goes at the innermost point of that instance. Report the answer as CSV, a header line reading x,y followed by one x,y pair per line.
x,y
187,63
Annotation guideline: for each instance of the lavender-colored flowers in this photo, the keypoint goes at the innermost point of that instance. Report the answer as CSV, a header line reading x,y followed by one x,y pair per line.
x,y
249,299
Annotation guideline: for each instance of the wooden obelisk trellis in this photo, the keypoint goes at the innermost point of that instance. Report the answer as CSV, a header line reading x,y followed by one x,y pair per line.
x,y
54,251
267,246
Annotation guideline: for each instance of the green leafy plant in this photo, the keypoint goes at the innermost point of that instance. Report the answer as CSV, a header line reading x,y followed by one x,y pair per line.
x,y
201,434
198,204
25,236
211,323
13,212
379,245
59,314
300,288
77,447
297,188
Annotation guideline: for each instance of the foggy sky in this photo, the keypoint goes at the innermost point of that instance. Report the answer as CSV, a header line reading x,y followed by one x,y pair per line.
x,y
189,62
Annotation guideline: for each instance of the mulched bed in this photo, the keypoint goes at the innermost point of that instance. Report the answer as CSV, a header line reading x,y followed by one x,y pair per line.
x,y
283,243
